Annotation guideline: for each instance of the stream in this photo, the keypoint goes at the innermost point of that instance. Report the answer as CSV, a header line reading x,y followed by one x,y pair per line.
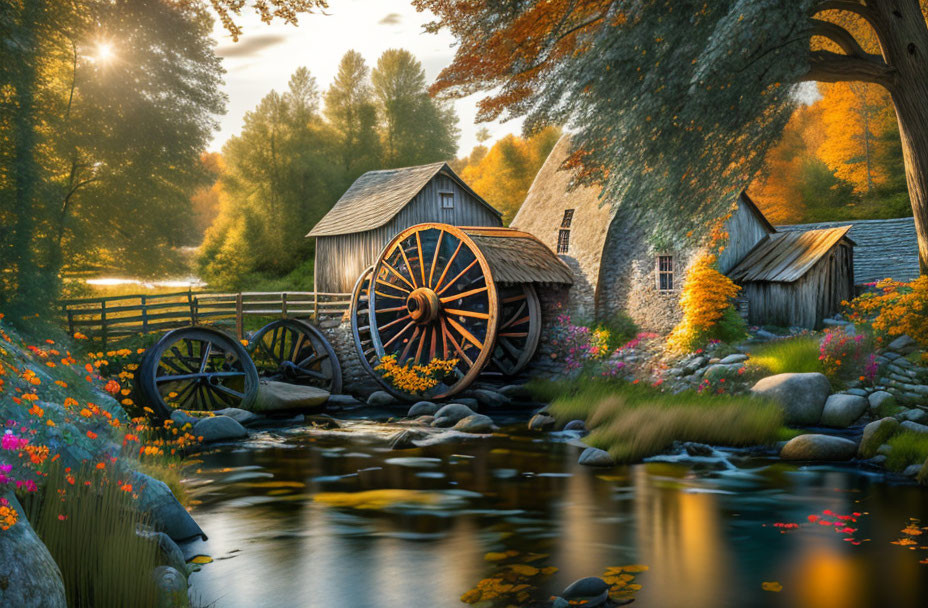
x,y
308,517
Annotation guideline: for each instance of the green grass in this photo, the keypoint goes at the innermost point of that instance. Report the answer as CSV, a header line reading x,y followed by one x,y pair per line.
x,y
632,422
792,355
169,470
908,448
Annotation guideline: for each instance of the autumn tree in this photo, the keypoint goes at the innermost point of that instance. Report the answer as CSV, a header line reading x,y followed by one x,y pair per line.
x,y
352,112
680,100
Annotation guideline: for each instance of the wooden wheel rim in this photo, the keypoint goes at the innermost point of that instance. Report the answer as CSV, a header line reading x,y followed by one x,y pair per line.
x,y
519,328
308,359
215,375
442,259
361,331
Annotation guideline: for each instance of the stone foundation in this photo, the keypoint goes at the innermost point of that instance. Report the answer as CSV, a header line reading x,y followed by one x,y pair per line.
x,y
355,379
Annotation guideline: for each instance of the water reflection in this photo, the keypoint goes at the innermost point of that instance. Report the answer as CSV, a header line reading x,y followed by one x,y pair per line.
x,y
705,534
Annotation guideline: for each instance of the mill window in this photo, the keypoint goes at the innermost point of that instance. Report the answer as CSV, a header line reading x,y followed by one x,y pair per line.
x,y
665,273
563,241
447,200
568,217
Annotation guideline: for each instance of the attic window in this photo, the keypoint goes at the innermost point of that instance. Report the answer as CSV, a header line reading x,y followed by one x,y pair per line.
x,y
563,241
568,217
665,273
447,200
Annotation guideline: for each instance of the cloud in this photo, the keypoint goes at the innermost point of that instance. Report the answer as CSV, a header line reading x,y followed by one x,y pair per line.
x,y
250,45
391,19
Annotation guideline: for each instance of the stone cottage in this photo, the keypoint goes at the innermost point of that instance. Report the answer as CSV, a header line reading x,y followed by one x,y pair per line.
x,y
617,270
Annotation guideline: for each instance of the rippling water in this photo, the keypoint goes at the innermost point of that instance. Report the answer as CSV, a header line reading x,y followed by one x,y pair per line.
x,y
300,518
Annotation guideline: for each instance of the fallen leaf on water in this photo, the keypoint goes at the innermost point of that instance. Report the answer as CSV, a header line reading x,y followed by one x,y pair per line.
x,y
201,559
771,586
495,556
524,569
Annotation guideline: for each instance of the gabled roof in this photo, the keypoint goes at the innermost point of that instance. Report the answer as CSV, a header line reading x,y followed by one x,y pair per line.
x,y
377,196
885,248
785,257
754,209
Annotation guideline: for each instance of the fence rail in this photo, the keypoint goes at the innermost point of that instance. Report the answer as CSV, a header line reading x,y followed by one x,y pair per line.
x,y
110,318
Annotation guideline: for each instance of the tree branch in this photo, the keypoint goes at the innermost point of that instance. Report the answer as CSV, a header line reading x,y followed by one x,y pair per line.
x,y
861,10
842,38
826,66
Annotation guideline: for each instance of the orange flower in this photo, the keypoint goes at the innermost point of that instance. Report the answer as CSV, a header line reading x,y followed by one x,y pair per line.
x,y
91,435
101,465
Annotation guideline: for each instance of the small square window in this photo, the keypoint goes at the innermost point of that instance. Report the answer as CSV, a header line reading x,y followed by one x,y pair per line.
x,y
563,241
568,218
447,200
665,273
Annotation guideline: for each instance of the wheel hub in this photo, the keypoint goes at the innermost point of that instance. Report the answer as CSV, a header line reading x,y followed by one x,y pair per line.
x,y
423,305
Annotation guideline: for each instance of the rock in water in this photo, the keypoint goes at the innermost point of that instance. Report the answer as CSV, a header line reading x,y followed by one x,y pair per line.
x,y
241,416
842,410
404,440
575,425
181,418
219,428
594,457
475,423
583,588
167,515
422,408
453,413
170,553
283,397
818,447
29,577
380,399
516,392
876,434
491,398
171,586
802,396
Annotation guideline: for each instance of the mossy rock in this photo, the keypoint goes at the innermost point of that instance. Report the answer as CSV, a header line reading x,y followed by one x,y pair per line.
x,y
876,434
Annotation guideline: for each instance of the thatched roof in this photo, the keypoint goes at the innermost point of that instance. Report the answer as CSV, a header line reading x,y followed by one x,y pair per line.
x,y
519,257
377,196
885,248
785,257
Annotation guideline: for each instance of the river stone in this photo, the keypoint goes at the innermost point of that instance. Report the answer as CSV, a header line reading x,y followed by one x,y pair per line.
x,y
818,447
915,415
516,392
575,425
469,402
695,449
343,401
171,586
322,421
403,441
559,602
736,358
422,408
801,395
380,399
541,422
915,427
591,586
721,370
241,416
912,470
595,457
219,428
475,423
167,515
29,577
491,398
841,410
282,397
876,434
453,412
903,344
880,401
170,553
182,418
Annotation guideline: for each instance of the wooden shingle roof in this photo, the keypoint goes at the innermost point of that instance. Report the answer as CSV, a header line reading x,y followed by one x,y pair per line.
x,y
519,257
884,248
785,257
377,196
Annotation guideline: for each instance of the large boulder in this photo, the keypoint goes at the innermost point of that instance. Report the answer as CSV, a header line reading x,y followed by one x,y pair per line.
x,y
167,515
475,423
219,428
451,414
818,447
876,434
283,397
29,577
842,410
802,396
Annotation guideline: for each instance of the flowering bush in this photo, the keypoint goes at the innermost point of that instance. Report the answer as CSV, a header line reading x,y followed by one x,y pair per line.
x,y
845,357
723,382
8,515
894,309
576,345
413,378
707,310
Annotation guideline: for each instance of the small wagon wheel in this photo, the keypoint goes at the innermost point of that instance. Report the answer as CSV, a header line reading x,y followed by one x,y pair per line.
x,y
519,328
293,351
361,325
434,298
196,368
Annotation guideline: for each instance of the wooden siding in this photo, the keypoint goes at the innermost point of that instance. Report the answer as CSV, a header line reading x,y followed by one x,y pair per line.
x,y
807,301
745,230
341,259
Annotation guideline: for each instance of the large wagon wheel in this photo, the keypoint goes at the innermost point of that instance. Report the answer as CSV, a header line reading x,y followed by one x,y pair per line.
x,y
293,351
197,368
361,324
519,328
434,298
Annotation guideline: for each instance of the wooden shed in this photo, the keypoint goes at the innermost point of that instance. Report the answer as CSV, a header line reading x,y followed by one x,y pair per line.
x,y
379,205
797,278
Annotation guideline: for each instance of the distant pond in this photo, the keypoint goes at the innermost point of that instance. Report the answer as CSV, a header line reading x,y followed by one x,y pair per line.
x,y
298,517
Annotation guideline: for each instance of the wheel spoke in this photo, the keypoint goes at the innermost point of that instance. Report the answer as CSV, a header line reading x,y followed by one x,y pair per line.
x,y
422,340
400,333
268,351
415,334
177,378
312,360
207,349
455,279
463,331
386,295
398,275
461,296
512,299
509,348
395,321
513,334
441,233
296,346
448,265
421,259
457,347
412,275
466,313
229,391
433,349
399,288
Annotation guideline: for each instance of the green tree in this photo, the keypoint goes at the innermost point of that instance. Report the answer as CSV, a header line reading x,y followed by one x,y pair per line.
x,y
415,128
350,109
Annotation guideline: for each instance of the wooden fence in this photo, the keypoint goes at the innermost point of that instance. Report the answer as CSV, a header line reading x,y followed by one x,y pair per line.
x,y
111,318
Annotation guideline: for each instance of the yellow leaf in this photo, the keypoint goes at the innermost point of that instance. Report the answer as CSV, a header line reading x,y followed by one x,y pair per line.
x,y
771,586
201,559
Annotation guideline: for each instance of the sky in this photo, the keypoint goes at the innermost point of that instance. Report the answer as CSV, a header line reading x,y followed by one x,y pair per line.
x,y
266,55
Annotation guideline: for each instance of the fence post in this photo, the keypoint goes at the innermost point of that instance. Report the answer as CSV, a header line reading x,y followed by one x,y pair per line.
x,y
283,304
239,320
144,314
192,303
70,314
315,306
103,322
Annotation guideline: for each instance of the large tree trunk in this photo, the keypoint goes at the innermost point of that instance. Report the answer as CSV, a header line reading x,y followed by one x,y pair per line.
x,y
904,40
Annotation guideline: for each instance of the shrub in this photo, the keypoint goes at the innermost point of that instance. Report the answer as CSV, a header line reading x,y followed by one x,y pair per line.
x,y
707,310
908,447
621,330
576,345
790,355
894,309
845,357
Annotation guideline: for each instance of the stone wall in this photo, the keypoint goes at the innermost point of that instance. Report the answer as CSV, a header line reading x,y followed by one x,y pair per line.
x,y
355,379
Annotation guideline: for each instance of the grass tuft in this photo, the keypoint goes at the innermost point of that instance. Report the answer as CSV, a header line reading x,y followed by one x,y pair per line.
x,y
792,355
908,448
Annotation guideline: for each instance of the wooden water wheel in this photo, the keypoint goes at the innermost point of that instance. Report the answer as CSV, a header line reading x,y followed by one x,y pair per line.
x,y
433,295
295,352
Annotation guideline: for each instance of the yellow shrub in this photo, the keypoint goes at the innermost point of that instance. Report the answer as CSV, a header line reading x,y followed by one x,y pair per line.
x,y
412,378
706,296
895,309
